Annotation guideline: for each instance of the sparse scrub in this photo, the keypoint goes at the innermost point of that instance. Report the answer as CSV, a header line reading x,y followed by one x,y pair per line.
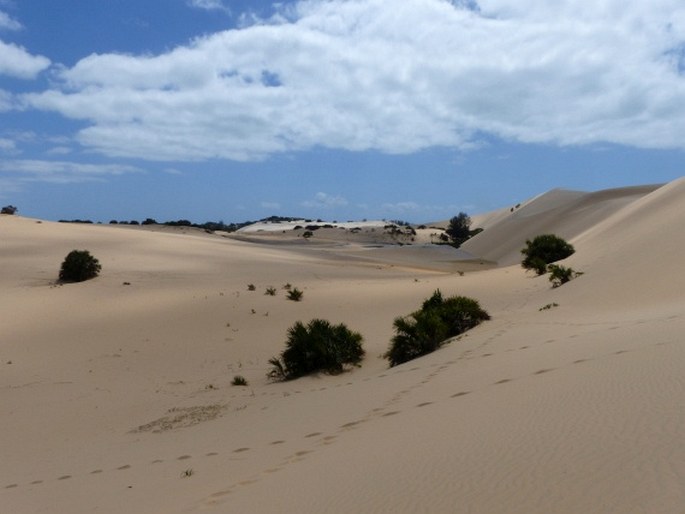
x,y
239,380
559,275
544,250
425,330
548,306
79,265
251,287
317,347
270,291
8,209
295,294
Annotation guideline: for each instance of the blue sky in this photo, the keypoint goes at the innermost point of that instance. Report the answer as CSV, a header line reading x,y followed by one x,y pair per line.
x,y
337,109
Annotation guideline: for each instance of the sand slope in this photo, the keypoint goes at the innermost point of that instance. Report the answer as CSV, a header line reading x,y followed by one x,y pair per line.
x,y
118,397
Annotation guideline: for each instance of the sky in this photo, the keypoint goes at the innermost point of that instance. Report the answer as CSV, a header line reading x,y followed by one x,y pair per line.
x,y
236,110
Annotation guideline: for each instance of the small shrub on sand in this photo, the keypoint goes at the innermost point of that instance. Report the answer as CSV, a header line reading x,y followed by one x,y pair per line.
x,y
295,294
544,250
425,330
317,346
270,291
559,275
239,380
251,287
79,265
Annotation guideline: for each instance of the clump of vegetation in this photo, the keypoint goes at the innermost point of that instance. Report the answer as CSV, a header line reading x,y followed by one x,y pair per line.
x,y
425,330
239,380
270,291
8,209
287,286
251,287
543,250
559,275
79,265
295,294
318,346
548,306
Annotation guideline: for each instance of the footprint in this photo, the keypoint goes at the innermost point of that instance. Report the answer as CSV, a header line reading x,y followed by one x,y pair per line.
x,y
350,424
579,361
125,466
11,486
302,453
64,477
503,381
219,494
240,450
460,393
391,413
158,461
184,457
541,371
486,355
620,352
424,404
329,438
313,434
211,454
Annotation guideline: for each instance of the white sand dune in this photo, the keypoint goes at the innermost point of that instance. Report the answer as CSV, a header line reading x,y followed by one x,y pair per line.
x,y
117,398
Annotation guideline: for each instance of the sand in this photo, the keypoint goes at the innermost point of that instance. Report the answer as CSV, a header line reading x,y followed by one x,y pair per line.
x,y
116,393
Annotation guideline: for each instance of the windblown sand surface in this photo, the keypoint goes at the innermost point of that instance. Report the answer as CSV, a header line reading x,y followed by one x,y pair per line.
x,y
116,393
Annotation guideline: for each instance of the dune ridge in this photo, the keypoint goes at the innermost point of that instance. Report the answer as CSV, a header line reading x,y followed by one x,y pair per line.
x,y
116,392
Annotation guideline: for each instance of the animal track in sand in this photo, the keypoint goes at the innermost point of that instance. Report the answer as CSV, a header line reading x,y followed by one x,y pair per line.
x,y
184,457
503,381
125,466
424,404
460,393
313,434
241,450
541,371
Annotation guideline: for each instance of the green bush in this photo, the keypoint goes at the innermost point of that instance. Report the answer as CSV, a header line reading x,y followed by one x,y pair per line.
x,y
239,380
270,291
318,346
544,250
295,294
559,275
425,330
79,265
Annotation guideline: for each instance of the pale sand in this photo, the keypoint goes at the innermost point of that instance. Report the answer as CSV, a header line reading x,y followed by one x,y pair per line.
x,y
114,391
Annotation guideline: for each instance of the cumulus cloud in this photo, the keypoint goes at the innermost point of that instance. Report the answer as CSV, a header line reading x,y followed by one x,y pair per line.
x,y
325,201
395,77
15,61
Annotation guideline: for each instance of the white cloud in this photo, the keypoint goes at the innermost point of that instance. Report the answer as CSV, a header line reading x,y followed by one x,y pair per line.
x,y
209,5
59,150
15,61
325,201
271,205
396,77
9,23
7,145
21,171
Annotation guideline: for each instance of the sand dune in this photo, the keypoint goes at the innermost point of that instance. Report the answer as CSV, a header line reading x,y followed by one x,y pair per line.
x,y
116,392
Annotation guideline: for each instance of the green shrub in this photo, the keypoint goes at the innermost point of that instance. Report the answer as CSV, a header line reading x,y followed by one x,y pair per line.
x,y
251,287
318,346
425,330
79,265
270,291
559,275
239,380
544,250
295,294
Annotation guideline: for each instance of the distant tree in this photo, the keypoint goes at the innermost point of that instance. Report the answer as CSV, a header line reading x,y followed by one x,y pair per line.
x,y
149,221
459,228
543,250
8,209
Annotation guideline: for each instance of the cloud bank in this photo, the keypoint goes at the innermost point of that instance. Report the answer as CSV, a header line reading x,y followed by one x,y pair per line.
x,y
394,77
